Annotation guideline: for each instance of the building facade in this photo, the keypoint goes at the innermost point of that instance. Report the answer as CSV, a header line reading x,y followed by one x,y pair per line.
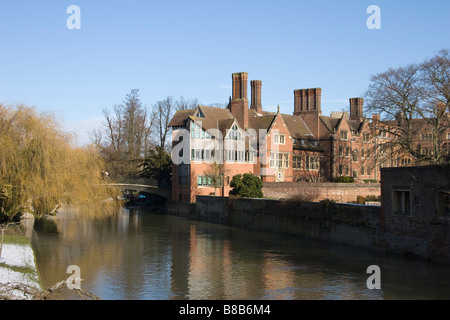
x,y
211,145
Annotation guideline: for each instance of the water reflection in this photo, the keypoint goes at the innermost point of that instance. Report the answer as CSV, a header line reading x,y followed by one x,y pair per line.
x,y
140,255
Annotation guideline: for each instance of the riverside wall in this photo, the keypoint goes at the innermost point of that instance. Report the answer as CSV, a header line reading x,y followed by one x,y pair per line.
x,y
317,191
356,225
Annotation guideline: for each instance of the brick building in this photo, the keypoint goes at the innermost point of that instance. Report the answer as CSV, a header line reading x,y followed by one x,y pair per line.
x,y
211,145
303,146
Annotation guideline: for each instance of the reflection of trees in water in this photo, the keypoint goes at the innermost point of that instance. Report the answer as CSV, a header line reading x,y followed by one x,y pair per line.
x,y
142,255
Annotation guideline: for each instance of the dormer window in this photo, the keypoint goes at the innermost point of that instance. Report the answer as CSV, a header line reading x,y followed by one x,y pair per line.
x,y
200,114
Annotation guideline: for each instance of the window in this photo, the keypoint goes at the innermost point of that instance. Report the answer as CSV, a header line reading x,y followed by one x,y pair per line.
x,y
341,151
235,133
344,135
346,170
443,203
366,137
401,202
406,161
355,174
363,171
205,181
250,156
279,139
312,163
279,160
341,169
363,153
426,136
347,151
297,162
355,155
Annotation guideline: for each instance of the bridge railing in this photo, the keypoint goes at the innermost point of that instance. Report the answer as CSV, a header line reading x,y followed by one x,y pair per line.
x,y
142,181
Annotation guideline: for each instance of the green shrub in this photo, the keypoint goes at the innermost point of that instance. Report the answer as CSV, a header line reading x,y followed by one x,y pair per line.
x,y
344,179
247,185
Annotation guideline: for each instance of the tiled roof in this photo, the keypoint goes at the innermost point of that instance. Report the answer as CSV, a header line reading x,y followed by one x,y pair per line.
x,y
330,123
215,113
224,125
206,123
296,126
180,117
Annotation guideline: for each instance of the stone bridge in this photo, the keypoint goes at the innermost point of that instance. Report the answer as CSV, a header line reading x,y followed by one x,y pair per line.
x,y
144,185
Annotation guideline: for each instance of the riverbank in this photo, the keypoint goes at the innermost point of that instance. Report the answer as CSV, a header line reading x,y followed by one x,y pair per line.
x,y
18,266
356,225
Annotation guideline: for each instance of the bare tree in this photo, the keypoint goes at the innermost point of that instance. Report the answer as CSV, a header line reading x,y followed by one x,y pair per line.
x,y
163,112
435,88
216,173
183,104
411,100
124,139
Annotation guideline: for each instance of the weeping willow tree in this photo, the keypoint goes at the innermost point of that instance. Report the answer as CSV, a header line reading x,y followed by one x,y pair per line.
x,y
41,169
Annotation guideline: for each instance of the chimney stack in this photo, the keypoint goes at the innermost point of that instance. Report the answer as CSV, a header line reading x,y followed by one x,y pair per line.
x,y
240,85
239,102
256,96
307,101
356,108
376,118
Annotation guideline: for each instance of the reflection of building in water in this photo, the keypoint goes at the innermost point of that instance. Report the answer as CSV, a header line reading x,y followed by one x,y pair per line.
x,y
217,272
278,277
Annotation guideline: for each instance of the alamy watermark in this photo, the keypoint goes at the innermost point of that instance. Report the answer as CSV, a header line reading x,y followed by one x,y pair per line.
x,y
374,21
374,281
73,22
74,281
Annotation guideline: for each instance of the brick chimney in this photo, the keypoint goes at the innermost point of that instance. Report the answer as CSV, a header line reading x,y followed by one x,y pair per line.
x,y
239,102
307,101
376,117
356,109
256,95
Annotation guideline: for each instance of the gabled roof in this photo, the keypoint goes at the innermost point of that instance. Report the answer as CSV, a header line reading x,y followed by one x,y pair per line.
x,y
331,123
296,126
225,124
206,123
215,113
261,123
180,117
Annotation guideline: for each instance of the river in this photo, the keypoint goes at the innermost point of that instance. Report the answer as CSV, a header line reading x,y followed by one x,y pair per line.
x,y
140,255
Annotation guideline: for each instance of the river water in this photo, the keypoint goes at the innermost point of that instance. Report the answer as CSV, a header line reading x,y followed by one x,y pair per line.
x,y
140,255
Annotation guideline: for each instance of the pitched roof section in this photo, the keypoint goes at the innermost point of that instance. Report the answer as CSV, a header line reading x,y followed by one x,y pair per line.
x,y
216,113
224,125
296,127
206,123
331,123
180,117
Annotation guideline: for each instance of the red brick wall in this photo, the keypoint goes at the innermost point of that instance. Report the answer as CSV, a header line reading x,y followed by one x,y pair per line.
x,y
309,191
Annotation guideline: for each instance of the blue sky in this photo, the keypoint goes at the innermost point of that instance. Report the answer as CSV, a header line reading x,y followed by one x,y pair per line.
x,y
190,48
